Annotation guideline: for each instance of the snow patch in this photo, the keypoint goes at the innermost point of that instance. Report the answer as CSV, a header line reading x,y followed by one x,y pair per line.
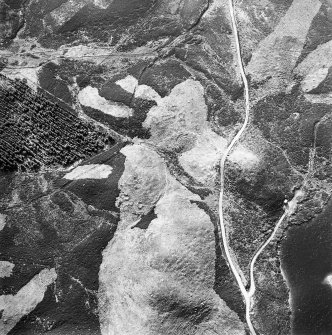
x,y
6,269
90,171
90,97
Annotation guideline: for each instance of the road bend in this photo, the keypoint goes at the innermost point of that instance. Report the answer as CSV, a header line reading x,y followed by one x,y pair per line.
x,y
247,295
260,250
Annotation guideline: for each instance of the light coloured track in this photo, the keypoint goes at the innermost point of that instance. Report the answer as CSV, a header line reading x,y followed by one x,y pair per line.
x,y
247,295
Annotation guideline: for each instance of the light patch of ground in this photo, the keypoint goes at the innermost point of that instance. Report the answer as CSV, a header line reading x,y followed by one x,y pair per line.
x,y
179,123
130,84
244,157
67,10
2,221
148,93
90,52
169,7
14,307
90,97
160,280
314,69
183,111
328,280
215,8
276,56
143,181
243,16
6,269
201,161
292,204
24,62
313,79
319,98
102,3
183,115
30,74
90,171
319,58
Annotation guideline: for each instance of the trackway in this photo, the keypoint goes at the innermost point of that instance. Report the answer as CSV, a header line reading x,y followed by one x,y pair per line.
x,y
247,295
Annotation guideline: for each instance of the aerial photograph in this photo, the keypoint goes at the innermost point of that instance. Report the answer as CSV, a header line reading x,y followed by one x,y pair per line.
x,y
165,167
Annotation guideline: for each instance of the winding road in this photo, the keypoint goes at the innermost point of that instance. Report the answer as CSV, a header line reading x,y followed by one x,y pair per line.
x,y
246,294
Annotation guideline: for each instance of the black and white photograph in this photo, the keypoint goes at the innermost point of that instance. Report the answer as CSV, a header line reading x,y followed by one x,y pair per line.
x,y
165,167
